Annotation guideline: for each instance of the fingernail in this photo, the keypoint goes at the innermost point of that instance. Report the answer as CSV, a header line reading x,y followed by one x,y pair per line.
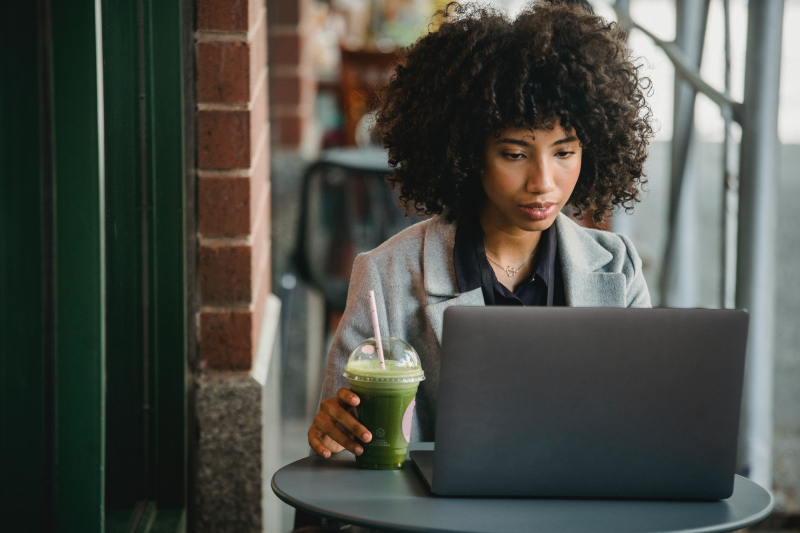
x,y
365,437
354,401
359,450
326,454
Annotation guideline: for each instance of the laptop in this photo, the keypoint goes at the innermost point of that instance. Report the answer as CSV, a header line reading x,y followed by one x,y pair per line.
x,y
587,403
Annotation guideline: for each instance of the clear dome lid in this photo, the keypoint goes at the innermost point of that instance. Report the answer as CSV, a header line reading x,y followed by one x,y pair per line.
x,y
401,361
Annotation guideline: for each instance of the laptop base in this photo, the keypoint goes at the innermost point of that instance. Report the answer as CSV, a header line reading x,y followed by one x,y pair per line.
x,y
423,463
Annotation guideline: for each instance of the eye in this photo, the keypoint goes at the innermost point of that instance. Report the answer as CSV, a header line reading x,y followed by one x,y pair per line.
x,y
564,155
514,156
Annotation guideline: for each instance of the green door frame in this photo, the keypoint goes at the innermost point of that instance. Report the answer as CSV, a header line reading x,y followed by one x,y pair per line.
x,y
146,198
25,431
168,246
53,264
79,231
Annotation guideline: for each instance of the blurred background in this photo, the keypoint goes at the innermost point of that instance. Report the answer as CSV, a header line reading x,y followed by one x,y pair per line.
x,y
184,185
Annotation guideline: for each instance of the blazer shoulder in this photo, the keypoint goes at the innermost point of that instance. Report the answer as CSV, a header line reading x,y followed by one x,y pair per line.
x,y
625,257
614,249
612,253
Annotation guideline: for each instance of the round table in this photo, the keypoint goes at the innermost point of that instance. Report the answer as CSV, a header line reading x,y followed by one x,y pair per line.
x,y
399,500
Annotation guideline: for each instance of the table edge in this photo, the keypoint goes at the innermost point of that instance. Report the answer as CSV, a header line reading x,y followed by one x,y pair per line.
x,y
297,504
347,519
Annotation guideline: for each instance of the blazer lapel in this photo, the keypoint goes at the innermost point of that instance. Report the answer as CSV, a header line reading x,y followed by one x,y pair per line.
x,y
439,273
437,258
436,311
581,258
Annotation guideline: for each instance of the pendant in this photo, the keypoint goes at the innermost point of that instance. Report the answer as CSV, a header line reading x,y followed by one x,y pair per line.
x,y
511,271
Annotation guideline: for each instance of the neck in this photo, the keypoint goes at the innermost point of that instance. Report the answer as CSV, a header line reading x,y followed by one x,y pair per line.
x,y
504,242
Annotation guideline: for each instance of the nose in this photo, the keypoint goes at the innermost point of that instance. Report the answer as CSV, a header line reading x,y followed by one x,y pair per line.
x,y
541,177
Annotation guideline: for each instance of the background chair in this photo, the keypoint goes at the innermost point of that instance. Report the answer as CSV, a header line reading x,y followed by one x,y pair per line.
x,y
346,209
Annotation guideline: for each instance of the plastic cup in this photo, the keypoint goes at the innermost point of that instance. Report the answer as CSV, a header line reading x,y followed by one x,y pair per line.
x,y
387,399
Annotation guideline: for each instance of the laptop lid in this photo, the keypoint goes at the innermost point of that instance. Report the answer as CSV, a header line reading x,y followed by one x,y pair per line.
x,y
589,402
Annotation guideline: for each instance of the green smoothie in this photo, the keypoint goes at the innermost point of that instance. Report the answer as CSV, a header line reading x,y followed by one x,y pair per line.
x,y
387,400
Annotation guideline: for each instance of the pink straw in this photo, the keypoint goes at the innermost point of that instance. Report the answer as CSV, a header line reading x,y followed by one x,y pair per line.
x,y
374,309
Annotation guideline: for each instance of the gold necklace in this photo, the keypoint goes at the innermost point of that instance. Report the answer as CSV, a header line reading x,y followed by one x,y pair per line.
x,y
510,271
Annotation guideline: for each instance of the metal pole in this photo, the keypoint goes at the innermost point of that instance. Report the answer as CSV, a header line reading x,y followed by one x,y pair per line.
x,y
678,274
622,222
624,7
755,288
730,186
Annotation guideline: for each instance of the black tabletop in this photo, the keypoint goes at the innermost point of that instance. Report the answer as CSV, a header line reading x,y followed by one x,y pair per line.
x,y
399,500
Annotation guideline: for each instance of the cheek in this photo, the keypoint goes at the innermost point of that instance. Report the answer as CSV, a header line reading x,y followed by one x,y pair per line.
x,y
569,176
497,182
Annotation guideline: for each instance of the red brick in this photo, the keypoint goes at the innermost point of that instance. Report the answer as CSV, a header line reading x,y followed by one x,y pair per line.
x,y
287,12
289,131
261,211
225,274
260,242
223,206
258,56
226,339
289,90
222,15
286,49
286,90
259,306
255,9
223,72
223,139
258,122
259,178
261,274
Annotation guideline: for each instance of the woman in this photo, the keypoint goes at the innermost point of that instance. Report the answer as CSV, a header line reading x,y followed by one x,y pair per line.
x,y
493,126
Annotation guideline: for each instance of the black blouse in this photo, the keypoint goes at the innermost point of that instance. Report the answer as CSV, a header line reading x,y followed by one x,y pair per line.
x,y
533,291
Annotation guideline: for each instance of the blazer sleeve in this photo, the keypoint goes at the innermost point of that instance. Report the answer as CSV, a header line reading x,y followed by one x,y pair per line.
x,y
636,293
356,322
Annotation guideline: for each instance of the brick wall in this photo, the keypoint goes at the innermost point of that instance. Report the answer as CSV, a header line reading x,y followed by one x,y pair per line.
x,y
293,86
233,179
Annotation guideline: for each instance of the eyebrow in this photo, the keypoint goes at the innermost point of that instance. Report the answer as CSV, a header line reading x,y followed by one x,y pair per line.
x,y
566,140
508,140
520,142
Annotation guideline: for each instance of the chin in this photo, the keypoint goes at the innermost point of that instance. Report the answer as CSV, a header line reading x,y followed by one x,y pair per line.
x,y
535,225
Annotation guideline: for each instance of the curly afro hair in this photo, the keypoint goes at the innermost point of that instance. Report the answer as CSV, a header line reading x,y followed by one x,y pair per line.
x,y
480,72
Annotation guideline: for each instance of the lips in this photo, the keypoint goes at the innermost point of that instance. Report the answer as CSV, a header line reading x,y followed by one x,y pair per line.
x,y
539,205
538,210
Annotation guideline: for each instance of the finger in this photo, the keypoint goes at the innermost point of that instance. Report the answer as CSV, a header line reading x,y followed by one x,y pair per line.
x,y
329,427
348,397
321,443
346,431
331,444
316,444
342,416
322,422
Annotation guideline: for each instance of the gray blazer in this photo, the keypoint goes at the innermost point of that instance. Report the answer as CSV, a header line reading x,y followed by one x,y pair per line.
x,y
414,282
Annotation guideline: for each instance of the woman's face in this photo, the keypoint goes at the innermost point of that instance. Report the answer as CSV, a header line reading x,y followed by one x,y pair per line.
x,y
529,175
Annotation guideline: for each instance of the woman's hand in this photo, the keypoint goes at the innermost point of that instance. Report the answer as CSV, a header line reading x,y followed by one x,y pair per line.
x,y
334,427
